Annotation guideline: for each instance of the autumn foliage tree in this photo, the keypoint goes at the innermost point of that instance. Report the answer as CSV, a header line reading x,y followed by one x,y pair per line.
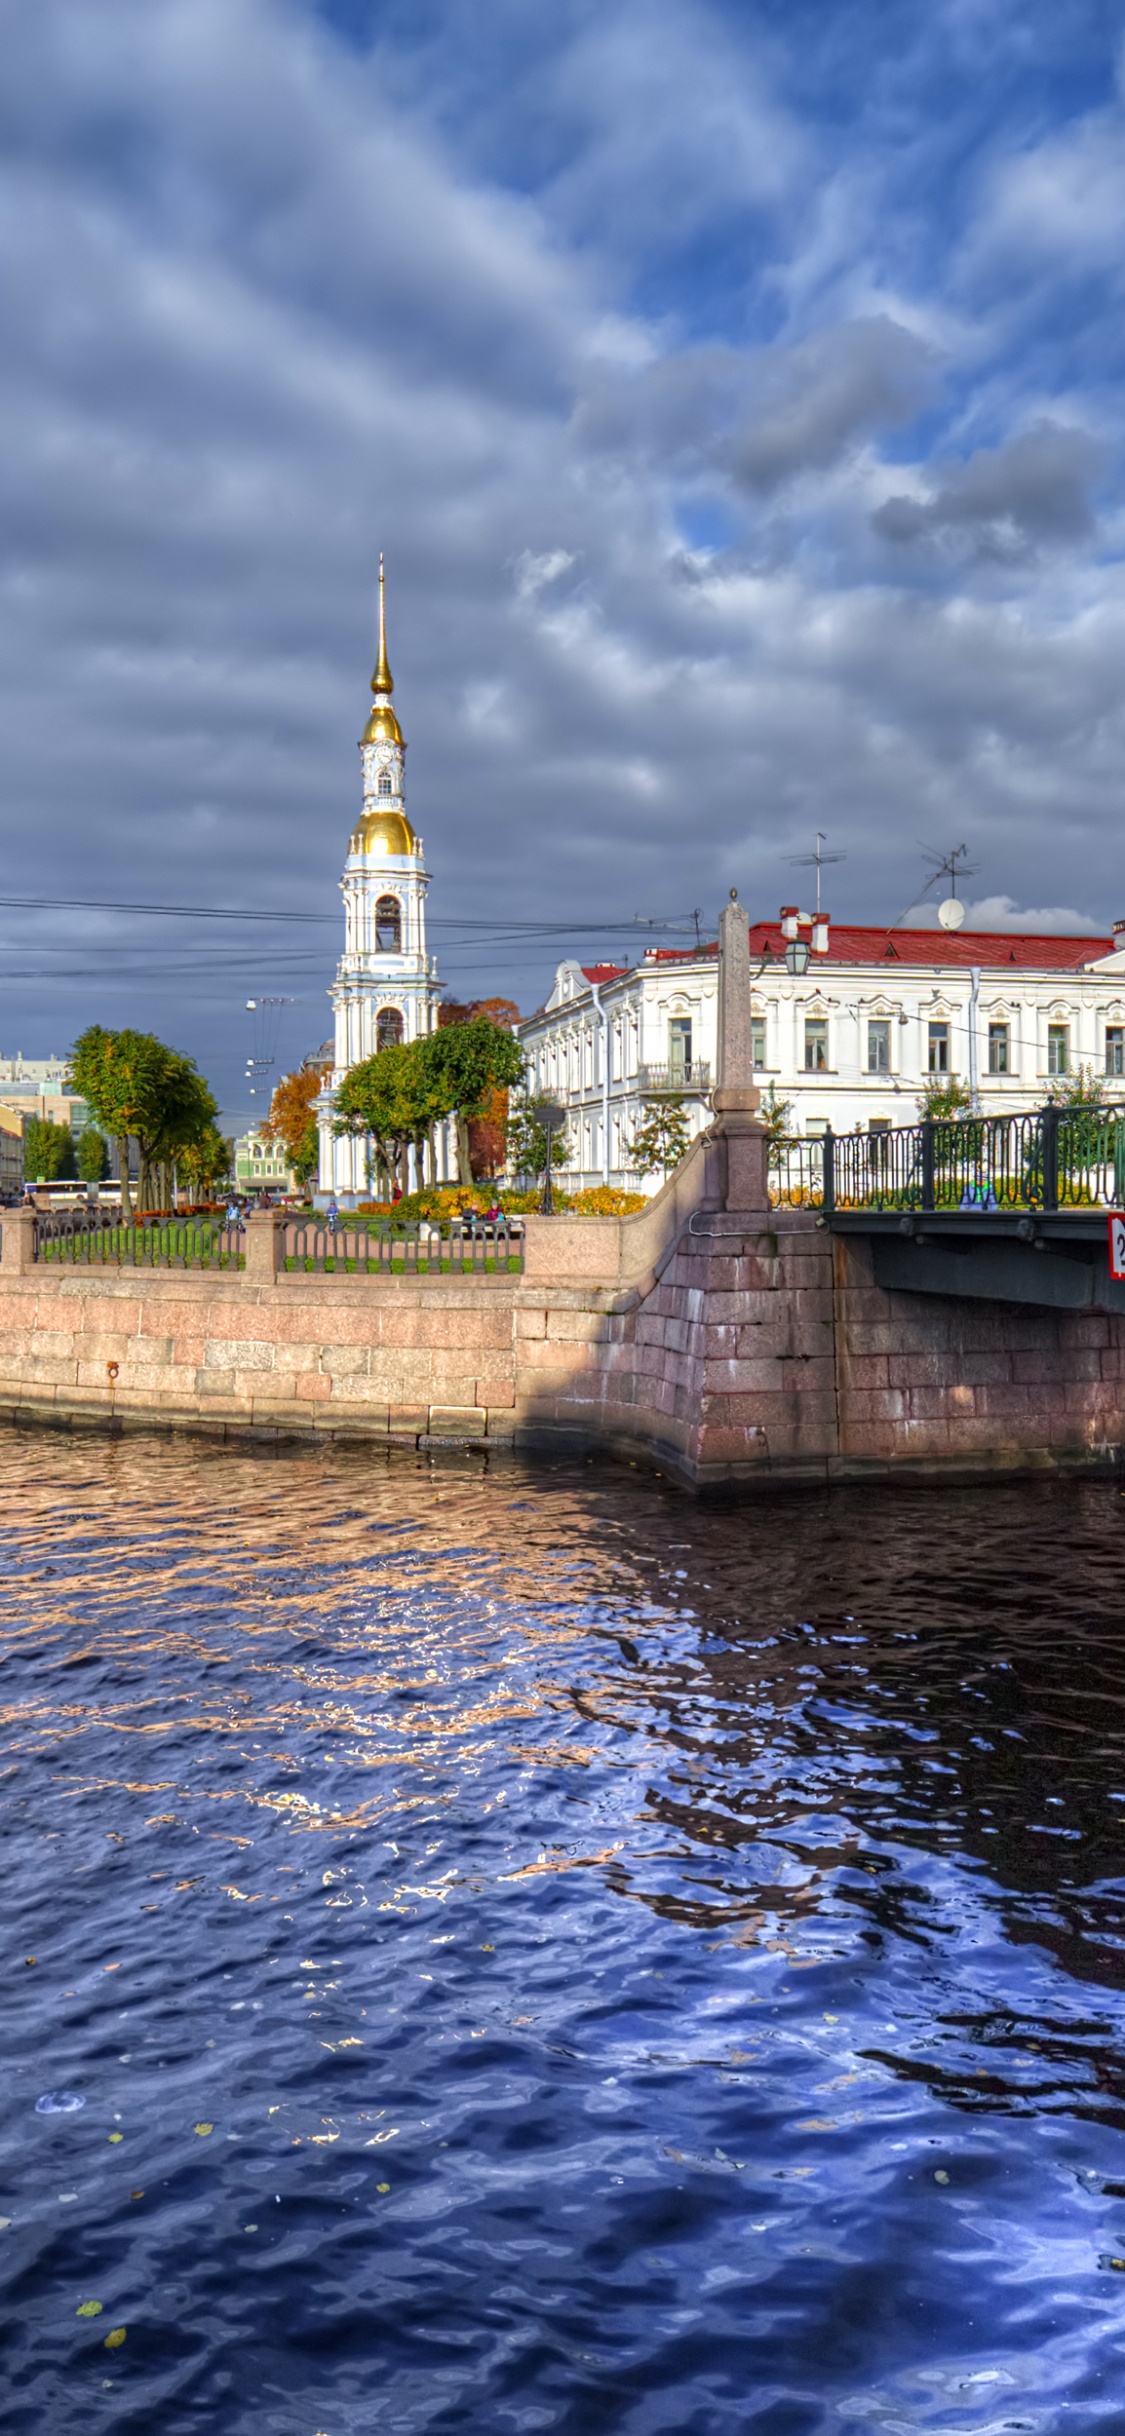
x,y
291,1122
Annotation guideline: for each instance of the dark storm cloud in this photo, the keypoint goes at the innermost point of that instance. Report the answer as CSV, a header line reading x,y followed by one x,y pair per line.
x,y
1035,491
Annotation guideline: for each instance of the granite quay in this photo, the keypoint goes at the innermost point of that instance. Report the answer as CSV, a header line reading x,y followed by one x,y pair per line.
x,y
731,1344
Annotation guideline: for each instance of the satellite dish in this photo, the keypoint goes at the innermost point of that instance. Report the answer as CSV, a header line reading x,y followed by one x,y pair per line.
x,y
951,914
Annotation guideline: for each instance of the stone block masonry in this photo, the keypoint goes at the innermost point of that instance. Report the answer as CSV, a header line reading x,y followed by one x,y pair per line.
x,y
732,1348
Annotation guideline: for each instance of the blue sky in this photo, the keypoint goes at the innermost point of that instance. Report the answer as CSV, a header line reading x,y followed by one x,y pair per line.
x,y
734,391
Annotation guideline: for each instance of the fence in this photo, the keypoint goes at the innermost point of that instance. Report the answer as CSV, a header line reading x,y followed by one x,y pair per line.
x,y
416,1249
458,1246
71,1237
1051,1159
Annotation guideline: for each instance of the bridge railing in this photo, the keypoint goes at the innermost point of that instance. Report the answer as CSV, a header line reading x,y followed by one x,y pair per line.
x,y
1053,1158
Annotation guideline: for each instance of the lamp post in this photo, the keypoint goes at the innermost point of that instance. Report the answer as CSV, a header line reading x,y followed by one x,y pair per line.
x,y
552,1118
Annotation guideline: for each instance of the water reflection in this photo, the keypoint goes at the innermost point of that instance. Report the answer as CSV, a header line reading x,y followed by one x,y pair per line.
x,y
540,1954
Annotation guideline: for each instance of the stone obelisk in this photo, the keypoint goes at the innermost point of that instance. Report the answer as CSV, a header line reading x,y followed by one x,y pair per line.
x,y
735,1099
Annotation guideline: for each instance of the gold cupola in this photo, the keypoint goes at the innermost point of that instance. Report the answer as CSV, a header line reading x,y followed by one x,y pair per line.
x,y
382,726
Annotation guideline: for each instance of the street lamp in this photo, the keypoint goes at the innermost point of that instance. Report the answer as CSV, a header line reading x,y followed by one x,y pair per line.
x,y
797,956
552,1118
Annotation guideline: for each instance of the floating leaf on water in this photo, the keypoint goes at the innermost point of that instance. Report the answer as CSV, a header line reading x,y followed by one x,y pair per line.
x,y
382,2186
201,2130
1118,2264
89,2309
114,2137
941,2175
249,2228
65,2198
832,2017
30,1958
59,2102
136,2194
488,1949
115,2338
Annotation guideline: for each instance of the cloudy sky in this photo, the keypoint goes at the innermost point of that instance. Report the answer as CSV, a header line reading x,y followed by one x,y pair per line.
x,y
735,391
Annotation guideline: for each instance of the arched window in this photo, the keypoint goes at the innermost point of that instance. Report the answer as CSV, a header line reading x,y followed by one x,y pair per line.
x,y
386,786
388,926
388,1028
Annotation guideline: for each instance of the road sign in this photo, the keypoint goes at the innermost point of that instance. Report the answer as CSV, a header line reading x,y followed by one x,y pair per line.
x,y
1116,1244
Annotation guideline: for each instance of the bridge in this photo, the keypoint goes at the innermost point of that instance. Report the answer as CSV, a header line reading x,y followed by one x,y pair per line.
x,y
1006,1208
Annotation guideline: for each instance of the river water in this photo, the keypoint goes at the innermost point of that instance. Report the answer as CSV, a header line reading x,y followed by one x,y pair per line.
x,y
536,1953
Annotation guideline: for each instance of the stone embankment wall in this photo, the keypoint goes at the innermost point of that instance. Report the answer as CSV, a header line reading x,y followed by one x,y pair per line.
x,y
732,1346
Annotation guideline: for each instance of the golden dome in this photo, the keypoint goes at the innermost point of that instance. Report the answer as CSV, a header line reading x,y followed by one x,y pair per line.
x,y
383,832
381,725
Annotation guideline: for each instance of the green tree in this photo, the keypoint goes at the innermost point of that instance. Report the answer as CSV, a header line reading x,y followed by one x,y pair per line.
x,y
661,1140
93,1157
392,1098
464,1064
205,1162
48,1151
774,1114
527,1142
944,1099
140,1089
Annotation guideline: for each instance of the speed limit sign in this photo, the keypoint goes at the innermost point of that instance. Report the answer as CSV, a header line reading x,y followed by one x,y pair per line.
x,y
1116,1244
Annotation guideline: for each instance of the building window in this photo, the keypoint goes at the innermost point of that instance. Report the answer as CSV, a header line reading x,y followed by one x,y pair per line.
x,y
1115,1048
388,1028
385,785
679,1049
388,926
758,1040
939,1048
816,1045
1058,1048
999,1049
879,1046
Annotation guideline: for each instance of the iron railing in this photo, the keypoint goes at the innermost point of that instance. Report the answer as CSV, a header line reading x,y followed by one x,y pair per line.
x,y
70,1237
1050,1159
421,1248
692,1077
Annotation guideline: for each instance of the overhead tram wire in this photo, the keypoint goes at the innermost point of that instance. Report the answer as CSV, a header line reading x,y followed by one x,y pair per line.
x,y
251,913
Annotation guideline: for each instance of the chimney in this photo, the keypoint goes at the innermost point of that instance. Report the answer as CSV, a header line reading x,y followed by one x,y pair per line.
x,y
1119,934
789,917
820,934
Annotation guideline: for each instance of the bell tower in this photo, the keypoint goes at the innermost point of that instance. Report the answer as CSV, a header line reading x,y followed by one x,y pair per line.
x,y
386,989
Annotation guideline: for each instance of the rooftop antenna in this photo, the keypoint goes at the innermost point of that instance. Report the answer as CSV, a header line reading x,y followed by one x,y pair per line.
x,y
951,912
819,858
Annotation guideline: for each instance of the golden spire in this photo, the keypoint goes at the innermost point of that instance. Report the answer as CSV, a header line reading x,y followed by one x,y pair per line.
x,y
381,723
382,682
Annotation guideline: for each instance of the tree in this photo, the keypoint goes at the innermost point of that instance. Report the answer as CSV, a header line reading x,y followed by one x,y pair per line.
x,y
48,1151
391,1097
205,1162
662,1138
527,1142
292,1120
774,1114
93,1157
944,1100
140,1089
464,1064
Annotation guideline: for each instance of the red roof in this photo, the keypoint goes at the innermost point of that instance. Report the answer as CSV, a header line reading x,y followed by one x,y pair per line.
x,y
849,943
597,973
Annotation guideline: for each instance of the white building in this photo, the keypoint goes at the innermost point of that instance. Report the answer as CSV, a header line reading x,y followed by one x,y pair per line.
x,y
386,988
850,1041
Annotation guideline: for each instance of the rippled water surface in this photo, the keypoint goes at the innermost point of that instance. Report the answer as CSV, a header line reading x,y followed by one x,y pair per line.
x,y
538,1954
